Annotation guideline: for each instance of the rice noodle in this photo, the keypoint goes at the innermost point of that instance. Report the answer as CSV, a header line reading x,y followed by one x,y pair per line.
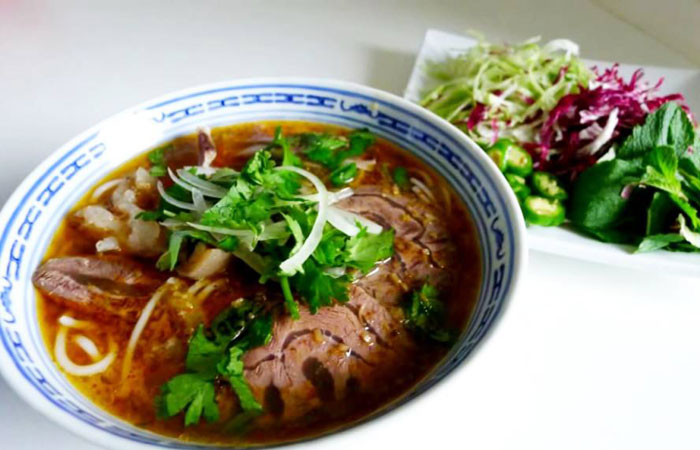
x,y
420,185
69,322
79,370
141,324
106,187
293,264
203,294
88,346
173,201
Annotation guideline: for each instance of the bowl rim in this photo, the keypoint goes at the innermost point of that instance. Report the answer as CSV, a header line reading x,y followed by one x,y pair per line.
x,y
520,255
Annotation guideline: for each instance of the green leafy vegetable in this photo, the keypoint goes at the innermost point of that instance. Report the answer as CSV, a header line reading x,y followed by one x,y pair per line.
x,y
159,167
400,177
343,175
652,180
425,315
216,353
189,392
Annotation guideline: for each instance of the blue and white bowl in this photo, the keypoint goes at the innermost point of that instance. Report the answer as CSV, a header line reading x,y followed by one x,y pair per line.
x,y
32,214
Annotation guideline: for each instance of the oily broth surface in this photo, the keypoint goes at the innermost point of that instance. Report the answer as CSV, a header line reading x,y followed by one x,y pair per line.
x,y
135,404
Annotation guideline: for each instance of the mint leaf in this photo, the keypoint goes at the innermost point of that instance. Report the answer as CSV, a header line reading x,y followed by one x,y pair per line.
x,y
668,125
596,201
657,241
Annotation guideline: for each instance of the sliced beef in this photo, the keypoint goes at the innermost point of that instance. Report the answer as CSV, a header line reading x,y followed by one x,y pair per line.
x,y
98,286
360,346
423,245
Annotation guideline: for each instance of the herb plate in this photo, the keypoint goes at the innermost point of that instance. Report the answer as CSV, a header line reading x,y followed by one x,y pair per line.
x,y
438,46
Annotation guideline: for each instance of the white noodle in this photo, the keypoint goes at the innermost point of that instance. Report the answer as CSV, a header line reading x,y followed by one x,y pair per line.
x,y
420,185
87,345
76,369
293,264
68,321
140,325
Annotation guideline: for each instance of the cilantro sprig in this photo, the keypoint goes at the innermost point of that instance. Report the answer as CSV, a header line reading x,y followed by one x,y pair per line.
x,y
262,216
216,353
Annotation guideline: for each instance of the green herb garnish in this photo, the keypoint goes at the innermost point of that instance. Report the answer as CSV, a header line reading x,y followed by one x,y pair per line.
x,y
216,353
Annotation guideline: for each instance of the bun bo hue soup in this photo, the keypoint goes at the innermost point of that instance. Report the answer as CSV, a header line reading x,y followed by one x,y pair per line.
x,y
263,283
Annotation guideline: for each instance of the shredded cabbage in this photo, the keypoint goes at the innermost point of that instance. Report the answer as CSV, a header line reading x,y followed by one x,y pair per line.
x,y
493,91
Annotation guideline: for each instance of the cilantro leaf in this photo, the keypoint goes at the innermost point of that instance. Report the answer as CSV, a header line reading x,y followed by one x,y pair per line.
x,y
425,315
156,157
203,354
191,393
330,252
331,151
318,288
364,250
400,177
343,175
232,369
289,303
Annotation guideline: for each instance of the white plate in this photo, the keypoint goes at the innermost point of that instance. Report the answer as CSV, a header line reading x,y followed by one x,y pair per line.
x,y
438,46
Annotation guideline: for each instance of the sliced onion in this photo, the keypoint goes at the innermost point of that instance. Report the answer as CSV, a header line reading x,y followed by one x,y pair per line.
x,y
198,200
333,197
340,222
293,264
140,325
335,272
173,201
77,369
88,346
372,227
106,187
208,188
254,261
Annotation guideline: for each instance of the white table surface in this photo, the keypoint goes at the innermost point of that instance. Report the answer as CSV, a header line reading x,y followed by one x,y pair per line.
x,y
587,357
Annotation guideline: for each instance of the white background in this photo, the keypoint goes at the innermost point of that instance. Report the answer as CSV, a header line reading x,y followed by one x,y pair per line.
x,y
586,357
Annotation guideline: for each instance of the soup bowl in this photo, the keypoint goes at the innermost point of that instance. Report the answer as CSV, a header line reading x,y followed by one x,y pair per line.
x,y
32,214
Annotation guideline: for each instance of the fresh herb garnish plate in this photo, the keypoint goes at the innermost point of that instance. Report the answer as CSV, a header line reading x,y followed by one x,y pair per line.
x,y
564,240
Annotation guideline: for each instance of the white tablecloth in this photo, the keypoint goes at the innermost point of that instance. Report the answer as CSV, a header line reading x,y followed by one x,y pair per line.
x,y
587,357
